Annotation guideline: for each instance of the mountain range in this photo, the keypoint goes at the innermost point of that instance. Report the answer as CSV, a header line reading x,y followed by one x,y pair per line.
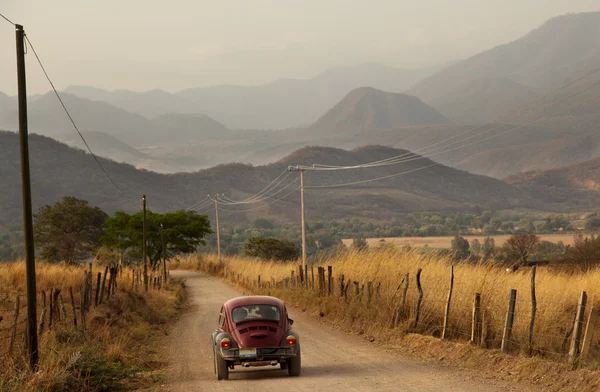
x,y
58,170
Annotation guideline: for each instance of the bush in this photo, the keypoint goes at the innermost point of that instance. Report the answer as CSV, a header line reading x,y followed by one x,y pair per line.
x,y
271,249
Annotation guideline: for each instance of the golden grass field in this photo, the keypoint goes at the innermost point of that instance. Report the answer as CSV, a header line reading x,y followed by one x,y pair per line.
x,y
112,347
557,296
445,242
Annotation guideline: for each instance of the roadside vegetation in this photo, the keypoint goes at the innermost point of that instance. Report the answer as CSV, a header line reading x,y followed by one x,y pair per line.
x,y
116,349
558,288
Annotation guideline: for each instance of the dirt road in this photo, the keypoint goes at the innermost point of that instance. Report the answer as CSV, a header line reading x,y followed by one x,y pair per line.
x,y
331,360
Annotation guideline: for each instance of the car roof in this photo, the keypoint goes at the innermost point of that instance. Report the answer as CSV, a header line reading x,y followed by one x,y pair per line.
x,y
253,300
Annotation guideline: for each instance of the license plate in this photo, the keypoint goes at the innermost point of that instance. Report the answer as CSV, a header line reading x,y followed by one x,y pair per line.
x,y
247,353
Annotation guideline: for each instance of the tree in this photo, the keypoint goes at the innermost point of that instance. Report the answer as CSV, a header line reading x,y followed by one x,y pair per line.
x,y
69,230
460,247
519,247
489,248
183,232
262,223
592,222
476,247
271,249
585,252
360,244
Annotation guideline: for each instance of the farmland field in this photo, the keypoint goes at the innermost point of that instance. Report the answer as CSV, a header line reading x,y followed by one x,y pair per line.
x,y
445,242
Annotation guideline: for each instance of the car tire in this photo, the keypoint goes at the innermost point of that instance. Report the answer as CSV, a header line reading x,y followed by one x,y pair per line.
x,y
295,365
283,365
221,366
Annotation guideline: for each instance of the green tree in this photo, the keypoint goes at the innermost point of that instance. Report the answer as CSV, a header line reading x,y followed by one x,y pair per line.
x,y
476,247
271,249
360,244
592,222
489,248
460,247
183,232
262,223
68,231
520,247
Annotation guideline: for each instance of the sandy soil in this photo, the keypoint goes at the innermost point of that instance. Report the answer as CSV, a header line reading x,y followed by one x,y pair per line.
x,y
330,359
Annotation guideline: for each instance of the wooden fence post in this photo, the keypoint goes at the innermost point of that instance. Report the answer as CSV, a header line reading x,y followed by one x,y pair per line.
x,y
356,289
43,315
321,272
484,330
82,305
55,294
420,299
312,274
104,284
577,329
475,325
510,318
346,291
369,292
259,282
342,286
447,312
97,288
73,306
590,329
62,306
293,278
51,317
533,310
13,333
329,280
306,276
402,301
301,275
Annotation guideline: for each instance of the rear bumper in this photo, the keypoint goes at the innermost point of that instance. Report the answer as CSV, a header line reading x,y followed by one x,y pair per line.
x,y
263,354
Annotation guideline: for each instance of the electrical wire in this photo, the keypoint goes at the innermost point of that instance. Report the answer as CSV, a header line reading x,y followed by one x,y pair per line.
x,y
225,202
264,205
8,20
437,163
412,154
260,196
74,124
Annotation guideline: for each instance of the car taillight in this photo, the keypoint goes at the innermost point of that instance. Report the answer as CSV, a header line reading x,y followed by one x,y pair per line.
x,y
226,343
290,340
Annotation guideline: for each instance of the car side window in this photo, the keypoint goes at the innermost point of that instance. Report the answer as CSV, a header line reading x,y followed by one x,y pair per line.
x,y
221,318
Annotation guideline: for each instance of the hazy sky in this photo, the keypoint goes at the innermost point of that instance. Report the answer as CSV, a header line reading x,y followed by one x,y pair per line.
x,y
176,44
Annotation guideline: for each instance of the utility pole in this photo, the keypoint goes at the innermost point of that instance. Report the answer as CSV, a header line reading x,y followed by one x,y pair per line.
x,y
218,231
162,239
32,341
144,244
301,170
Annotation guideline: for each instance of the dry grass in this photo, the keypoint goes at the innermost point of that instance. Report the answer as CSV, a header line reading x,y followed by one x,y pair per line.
x,y
113,352
557,296
445,242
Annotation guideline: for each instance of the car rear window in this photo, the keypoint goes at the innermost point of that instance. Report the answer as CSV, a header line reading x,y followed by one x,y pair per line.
x,y
255,312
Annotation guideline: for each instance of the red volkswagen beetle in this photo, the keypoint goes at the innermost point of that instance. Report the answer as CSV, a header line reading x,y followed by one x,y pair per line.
x,y
255,331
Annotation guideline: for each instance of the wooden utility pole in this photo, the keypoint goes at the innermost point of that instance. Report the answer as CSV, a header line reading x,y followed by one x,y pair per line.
x,y
32,342
303,219
164,251
218,230
144,244
301,170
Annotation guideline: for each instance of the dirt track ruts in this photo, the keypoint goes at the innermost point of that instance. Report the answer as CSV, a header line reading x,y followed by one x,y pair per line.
x,y
330,359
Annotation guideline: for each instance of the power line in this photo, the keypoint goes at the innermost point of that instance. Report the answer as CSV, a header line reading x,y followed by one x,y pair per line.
x,y
261,194
73,122
412,154
225,202
8,20
264,205
457,148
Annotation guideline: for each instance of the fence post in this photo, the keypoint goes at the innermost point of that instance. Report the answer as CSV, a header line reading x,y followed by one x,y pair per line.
x,y
420,299
510,317
590,329
369,292
321,272
51,318
43,315
104,284
62,306
475,326
97,288
484,330
577,328
533,310
312,274
293,278
82,305
259,283
342,286
13,333
356,289
73,306
329,280
447,312
301,275
306,276
402,301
